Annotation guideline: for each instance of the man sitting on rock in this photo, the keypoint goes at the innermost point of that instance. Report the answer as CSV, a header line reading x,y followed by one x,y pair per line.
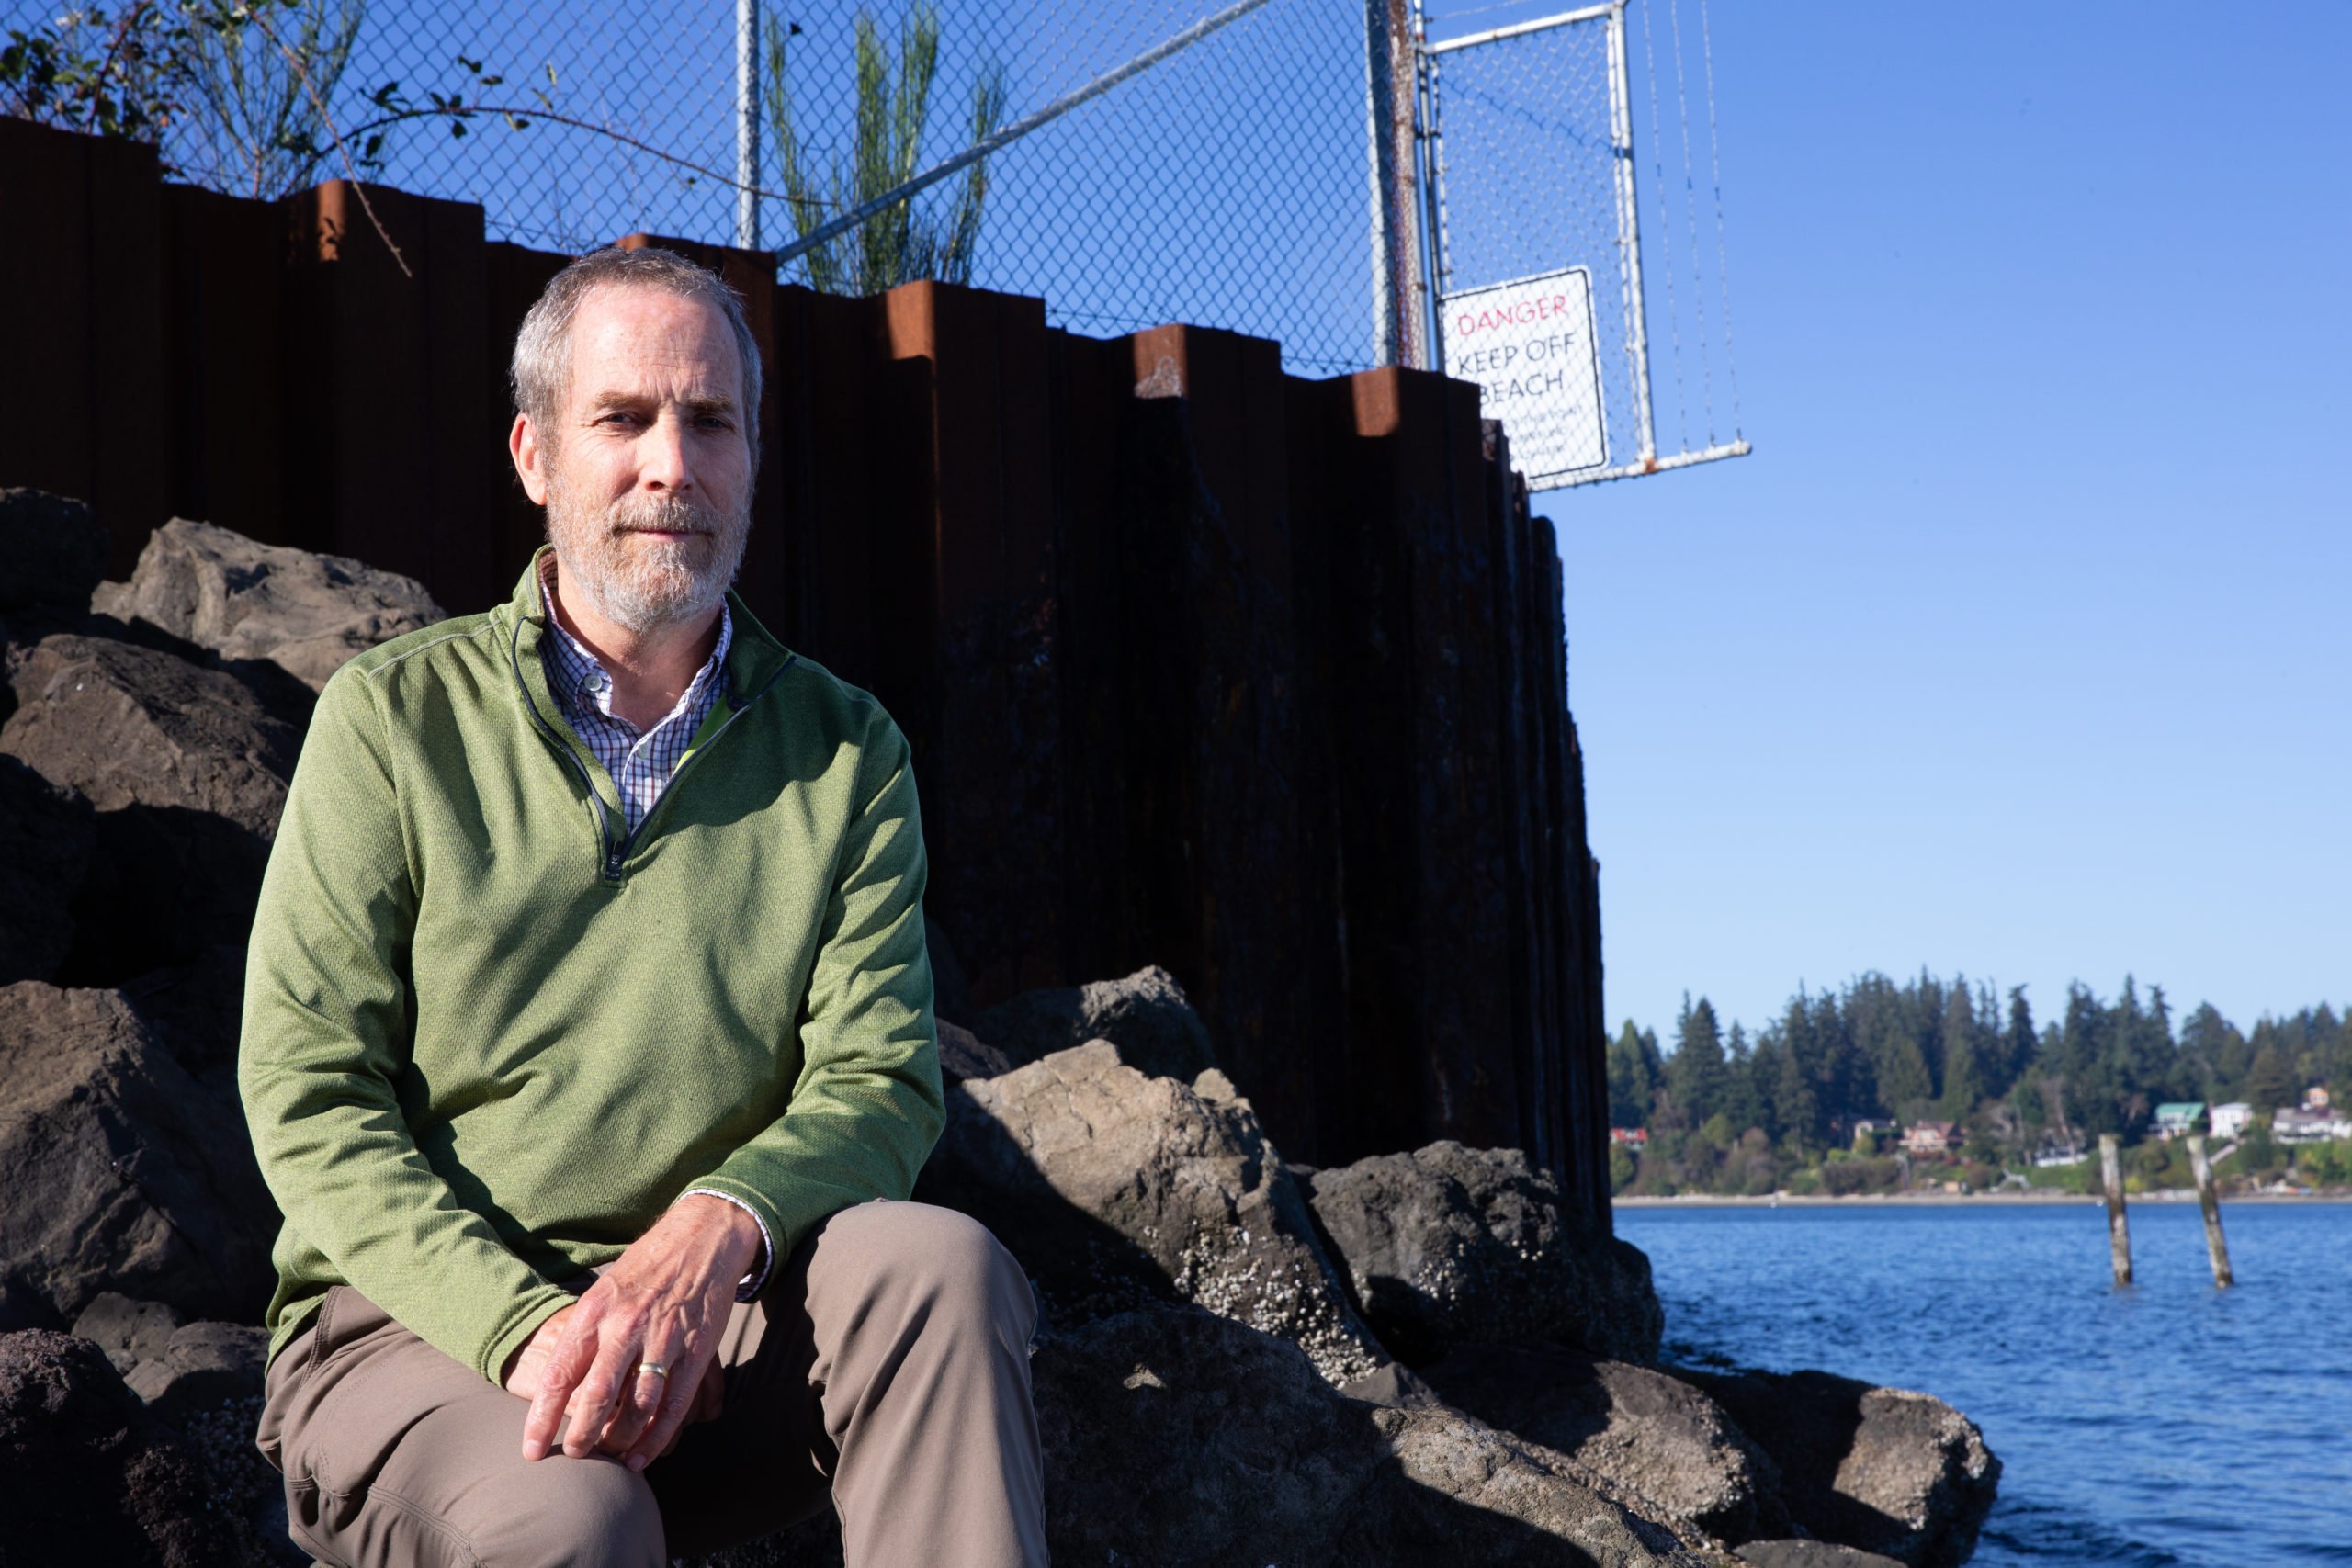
x,y
588,1043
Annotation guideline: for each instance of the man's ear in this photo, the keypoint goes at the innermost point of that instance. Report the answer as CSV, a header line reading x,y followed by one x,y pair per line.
x,y
530,459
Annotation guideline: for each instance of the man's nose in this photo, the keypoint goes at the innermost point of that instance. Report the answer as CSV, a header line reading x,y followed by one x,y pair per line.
x,y
662,461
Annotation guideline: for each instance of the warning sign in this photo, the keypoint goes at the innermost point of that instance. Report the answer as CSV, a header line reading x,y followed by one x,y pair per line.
x,y
1530,345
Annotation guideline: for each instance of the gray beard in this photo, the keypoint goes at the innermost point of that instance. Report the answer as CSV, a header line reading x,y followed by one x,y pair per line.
x,y
641,586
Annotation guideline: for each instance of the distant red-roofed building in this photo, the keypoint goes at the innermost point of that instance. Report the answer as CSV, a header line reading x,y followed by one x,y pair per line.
x,y
1931,1138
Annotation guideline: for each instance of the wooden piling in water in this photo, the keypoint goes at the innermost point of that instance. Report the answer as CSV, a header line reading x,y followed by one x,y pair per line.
x,y
2118,1229
2216,1248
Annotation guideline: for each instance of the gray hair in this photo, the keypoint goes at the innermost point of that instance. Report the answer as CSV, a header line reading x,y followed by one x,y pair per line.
x,y
541,371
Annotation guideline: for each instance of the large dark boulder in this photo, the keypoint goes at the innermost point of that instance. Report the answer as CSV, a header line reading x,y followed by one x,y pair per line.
x,y
132,726
205,1365
1449,1246
178,1368
1177,1438
119,1169
87,1475
1219,1444
1884,1469
188,768
244,600
1115,1189
53,552
1459,1494
1797,1553
963,1055
814,1543
197,1008
128,1331
246,1498
1640,1432
47,837
1145,1015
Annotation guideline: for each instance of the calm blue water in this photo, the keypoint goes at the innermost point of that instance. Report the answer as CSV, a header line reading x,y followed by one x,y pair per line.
x,y
2171,1423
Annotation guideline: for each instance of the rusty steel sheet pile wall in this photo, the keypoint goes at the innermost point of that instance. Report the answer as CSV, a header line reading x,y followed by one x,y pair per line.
x,y
1257,677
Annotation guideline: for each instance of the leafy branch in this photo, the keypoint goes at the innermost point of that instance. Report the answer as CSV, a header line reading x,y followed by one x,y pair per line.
x,y
264,107
123,86
318,101
244,89
458,111
182,74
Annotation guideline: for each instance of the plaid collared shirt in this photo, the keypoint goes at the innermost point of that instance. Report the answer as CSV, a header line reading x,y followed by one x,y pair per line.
x,y
640,760
640,763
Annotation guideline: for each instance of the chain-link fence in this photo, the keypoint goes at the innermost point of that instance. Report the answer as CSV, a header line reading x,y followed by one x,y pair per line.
x,y
1225,185
601,119
1273,177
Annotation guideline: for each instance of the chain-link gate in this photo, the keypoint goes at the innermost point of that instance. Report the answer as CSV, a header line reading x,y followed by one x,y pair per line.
x,y
1534,235
1537,264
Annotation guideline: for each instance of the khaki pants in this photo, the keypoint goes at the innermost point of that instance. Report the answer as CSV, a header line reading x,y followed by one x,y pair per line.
x,y
885,1366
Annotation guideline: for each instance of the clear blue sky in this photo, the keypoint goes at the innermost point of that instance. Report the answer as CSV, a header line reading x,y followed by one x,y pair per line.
x,y
2019,645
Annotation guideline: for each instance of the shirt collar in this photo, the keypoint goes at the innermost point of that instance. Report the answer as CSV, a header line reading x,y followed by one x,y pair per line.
x,y
584,683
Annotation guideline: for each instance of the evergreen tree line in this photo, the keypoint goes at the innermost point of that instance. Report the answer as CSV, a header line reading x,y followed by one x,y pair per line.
x,y
1963,1052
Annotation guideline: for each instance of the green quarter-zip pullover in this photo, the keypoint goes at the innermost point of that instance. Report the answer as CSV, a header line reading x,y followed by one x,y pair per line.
x,y
490,1032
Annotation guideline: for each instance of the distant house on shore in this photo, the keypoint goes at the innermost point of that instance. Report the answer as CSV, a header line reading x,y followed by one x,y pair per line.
x,y
2059,1154
1867,1131
2292,1125
1630,1137
2178,1116
2230,1120
1931,1138
2315,1098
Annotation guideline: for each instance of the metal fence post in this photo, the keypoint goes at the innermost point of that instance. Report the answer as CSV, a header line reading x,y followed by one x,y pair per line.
x,y
1392,115
747,124
1440,278
1380,134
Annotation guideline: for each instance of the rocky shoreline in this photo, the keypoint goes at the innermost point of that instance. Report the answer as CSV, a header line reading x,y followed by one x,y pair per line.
x,y
1418,1358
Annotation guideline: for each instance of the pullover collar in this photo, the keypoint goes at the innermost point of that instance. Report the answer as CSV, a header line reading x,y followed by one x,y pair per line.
x,y
754,657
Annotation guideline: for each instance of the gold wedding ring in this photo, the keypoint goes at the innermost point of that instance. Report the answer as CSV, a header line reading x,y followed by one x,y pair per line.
x,y
656,1368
